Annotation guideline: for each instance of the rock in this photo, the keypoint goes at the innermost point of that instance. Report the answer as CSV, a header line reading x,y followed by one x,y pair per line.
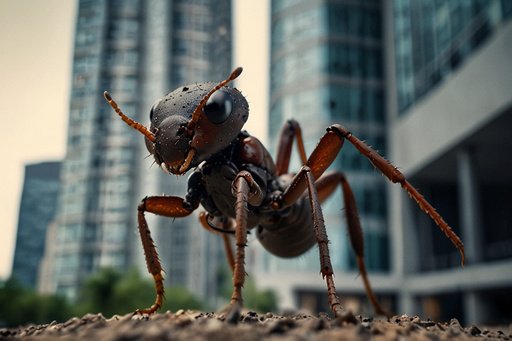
x,y
201,326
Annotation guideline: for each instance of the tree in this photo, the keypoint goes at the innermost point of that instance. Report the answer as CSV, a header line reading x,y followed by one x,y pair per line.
x,y
254,299
259,300
20,305
109,292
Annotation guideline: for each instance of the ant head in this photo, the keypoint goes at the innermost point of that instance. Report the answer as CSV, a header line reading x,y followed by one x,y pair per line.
x,y
192,123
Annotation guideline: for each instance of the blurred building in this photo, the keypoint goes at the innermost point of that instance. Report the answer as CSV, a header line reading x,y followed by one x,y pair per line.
x,y
430,81
138,50
37,209
326,67
450,121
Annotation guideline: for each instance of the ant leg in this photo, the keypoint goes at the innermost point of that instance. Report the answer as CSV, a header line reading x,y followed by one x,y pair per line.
x,y
305,178
246,190
326,186
290,131
325,153
165,206
395,176
223,232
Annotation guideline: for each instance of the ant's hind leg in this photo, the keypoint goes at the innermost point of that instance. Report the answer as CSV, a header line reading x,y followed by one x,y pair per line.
x,y
326,186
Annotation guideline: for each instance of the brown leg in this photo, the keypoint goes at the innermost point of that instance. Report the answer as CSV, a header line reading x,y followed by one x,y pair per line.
x,y
305,176
326,186
395,176
245,189
164,206
289,132
325,153
224,233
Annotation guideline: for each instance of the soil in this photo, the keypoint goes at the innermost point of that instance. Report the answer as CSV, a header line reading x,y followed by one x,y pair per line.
x,y
199,326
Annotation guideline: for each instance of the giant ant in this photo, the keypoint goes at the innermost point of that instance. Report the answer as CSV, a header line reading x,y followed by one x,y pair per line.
x,y
236,181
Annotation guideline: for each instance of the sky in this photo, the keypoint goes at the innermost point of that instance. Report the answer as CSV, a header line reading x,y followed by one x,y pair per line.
x,y
36,49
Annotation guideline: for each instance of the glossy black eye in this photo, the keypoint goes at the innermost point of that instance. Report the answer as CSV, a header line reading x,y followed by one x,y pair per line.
x,y
218,107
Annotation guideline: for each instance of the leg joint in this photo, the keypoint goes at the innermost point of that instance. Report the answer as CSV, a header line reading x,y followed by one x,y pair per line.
x,y
142,205
293,124
339,130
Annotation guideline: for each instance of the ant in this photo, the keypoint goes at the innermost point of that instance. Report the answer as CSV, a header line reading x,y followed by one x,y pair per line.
x,y
236,181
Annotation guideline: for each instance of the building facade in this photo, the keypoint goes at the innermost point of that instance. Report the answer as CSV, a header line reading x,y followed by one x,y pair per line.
x,y
138,50
449,121
326,67
37,210
427,84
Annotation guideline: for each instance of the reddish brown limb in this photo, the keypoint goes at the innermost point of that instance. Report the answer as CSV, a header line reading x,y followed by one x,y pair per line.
x,y
325,153
304,179
243,188
290,131
395,176
306,176
322,157
223,232
432,212
165,206
326,186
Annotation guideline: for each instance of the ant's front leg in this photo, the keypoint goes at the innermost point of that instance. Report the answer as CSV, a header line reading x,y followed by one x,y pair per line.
x,y
167,206
246,190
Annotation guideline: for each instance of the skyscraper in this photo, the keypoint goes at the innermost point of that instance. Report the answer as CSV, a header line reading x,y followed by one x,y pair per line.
x,y
427,84
37,210
450,119
326,67
138,50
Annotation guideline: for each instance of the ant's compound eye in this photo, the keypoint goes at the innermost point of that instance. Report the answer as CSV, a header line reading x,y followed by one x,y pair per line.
x,y
218,107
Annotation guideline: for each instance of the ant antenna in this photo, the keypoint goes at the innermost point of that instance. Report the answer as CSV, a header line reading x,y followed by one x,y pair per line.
x,y
134,124
197,112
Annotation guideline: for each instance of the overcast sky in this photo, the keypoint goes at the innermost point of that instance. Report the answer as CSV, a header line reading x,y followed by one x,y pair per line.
x,y
36,39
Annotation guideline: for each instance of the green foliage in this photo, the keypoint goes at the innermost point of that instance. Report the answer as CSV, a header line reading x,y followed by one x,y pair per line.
x,y
19,305
109,292
261,301
180,298
254,299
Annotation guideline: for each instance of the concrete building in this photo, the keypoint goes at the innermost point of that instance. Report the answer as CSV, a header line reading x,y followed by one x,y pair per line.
x,y
447,109
37,209
449,132
138,50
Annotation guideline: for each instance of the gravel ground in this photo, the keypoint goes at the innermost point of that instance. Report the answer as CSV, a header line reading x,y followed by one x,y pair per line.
x,y
195,326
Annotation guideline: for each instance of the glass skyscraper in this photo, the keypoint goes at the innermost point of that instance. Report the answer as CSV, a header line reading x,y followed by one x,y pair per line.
x,y
138,50
433,39
37,210
327,67
427,83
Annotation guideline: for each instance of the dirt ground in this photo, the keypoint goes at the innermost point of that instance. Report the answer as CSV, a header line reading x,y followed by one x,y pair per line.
x,y
198,326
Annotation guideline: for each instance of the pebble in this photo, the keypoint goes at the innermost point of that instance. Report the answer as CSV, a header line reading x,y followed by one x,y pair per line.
x,y
194,325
